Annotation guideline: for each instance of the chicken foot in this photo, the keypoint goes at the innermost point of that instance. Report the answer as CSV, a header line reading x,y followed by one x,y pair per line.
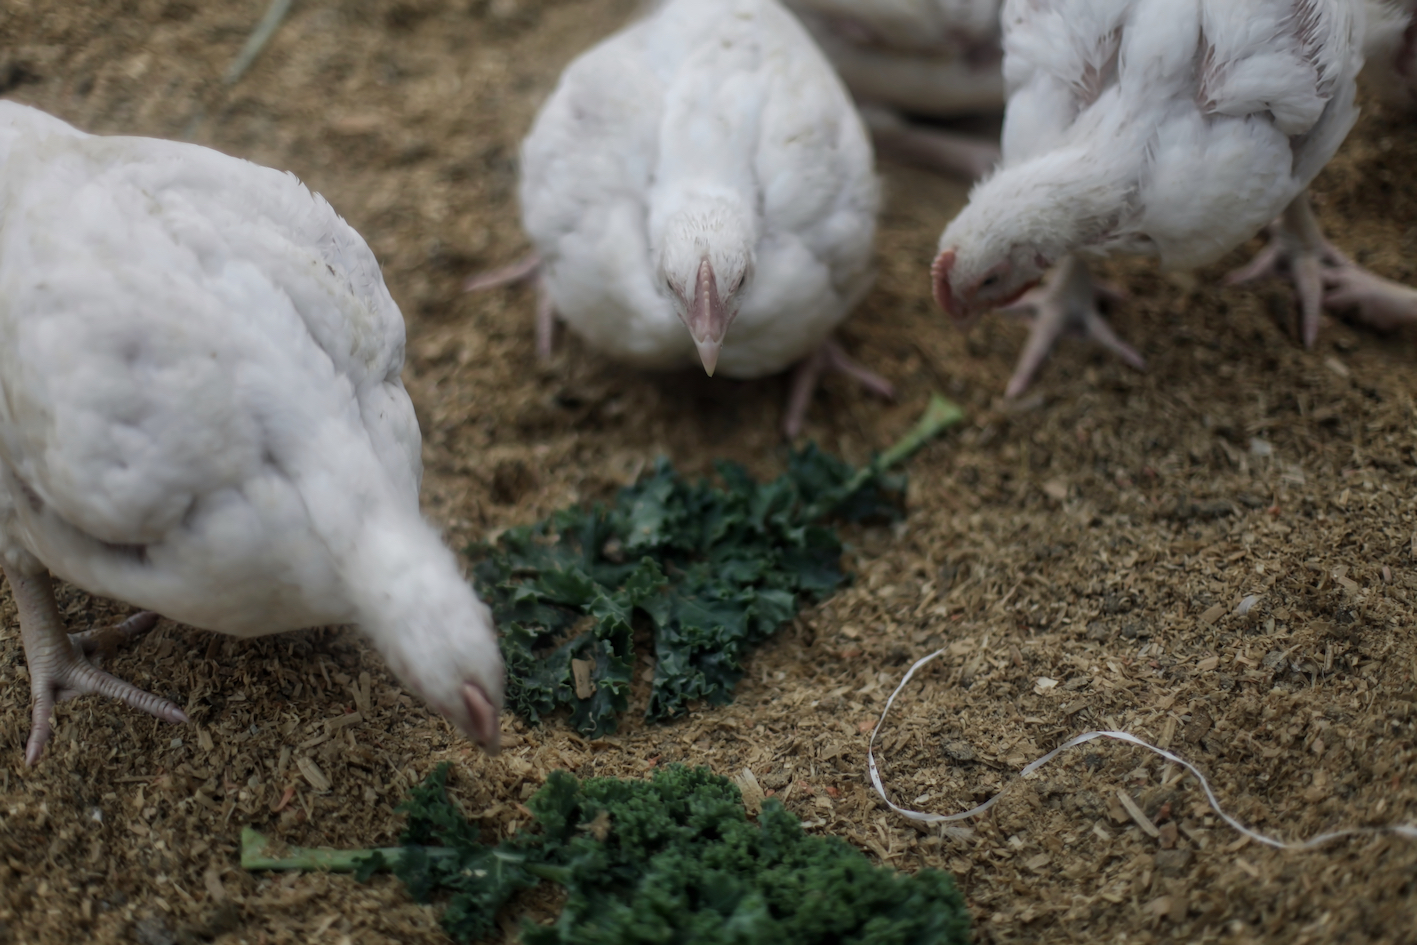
x,y
1297,249
828,357
61,665
528,267
1067,301
1323,276
1380,303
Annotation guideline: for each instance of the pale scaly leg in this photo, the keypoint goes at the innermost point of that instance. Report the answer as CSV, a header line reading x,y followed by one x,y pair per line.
x,y
828,357
1067,300
519,271
545,323
930,148
1323,276
59,663
1297,249
528,267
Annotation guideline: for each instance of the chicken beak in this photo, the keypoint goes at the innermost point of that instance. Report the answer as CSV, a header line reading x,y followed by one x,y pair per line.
x,y
486,728
940,286
708,319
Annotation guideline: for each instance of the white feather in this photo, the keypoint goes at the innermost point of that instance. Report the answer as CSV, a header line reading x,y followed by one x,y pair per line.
x,y
711,126
1173,127
200,404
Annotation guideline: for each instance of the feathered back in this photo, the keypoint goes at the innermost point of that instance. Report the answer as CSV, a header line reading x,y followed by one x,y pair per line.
x,y
1183,125
181,268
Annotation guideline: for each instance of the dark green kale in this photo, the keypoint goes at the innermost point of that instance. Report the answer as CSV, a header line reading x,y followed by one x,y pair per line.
x,y
674,859
680,862
713,569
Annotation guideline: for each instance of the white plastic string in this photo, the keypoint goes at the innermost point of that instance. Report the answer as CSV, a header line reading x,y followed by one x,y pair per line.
x,y
1402,830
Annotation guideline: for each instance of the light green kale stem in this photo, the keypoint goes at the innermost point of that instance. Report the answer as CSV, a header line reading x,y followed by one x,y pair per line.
x,y
940,414
253,856
323,859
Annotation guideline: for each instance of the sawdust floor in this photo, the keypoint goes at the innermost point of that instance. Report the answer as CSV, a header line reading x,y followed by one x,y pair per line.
x,y
1099,535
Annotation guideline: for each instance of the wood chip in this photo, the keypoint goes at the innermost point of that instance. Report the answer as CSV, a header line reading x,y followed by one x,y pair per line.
x,y
313,774
752,792
1142,821
1212,614
338,722
360,695
1208,664
585,685
211,879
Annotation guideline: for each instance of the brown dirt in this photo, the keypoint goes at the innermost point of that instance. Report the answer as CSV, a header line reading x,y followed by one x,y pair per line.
x,y
1099,534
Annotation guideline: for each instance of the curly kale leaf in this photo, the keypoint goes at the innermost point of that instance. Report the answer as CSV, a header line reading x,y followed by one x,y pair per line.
x,y
712,570
672,859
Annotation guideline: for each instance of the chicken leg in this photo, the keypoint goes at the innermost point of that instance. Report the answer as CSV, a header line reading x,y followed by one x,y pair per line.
x,y
931,148
528,267
828,357
1323,276
1066,301
1296,249
60,665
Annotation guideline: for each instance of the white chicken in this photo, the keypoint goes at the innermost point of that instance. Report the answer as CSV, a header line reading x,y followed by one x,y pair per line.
x,y
699,186
201,414
1175,128
939,58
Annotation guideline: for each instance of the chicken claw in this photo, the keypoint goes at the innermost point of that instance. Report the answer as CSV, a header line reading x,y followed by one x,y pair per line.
x,y
1067,300
1296,249
1323,276
61,664
1379,303
829,357
528,267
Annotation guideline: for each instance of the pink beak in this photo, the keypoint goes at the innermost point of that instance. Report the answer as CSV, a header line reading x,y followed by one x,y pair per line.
x,y
940,283
708,319
486,729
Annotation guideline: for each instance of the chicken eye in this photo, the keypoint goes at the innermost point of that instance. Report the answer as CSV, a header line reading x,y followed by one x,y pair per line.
x,y
989,283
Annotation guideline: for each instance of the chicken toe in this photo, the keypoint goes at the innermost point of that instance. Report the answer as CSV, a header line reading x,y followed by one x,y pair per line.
x,y
1298,250
1066,301
528,267
510,274
828,357
1378,302
60,665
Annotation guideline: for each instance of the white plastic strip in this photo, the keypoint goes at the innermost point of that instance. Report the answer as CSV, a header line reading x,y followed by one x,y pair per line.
x,y
1402,830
